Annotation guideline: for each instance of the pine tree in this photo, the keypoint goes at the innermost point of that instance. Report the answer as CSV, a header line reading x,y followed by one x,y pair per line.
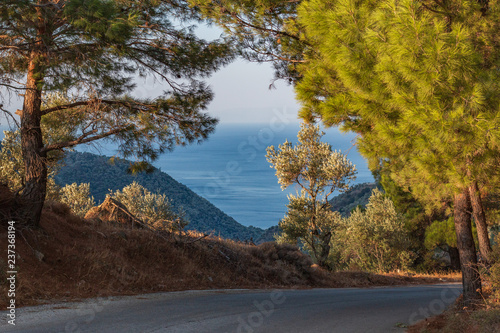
x,y
418,81
263,31
91,51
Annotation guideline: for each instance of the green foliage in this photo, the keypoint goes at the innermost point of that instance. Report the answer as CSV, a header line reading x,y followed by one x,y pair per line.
x,y
263,31
101,19
492,274
297,228
154,209
418,81
91,53
311,164
441,234
60,126
417,215
319,171
421,91
491,204
375,239
12,167
78,198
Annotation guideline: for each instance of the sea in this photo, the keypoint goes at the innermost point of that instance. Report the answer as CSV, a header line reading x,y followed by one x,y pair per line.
x,y
231,171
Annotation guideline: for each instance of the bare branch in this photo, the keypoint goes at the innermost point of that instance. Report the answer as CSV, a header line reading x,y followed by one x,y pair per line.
x,y
277,32
152,69
10,115
12,87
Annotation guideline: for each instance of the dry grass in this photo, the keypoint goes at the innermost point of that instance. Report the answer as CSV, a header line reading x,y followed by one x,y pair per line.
x,y
84,259
459,320
483,318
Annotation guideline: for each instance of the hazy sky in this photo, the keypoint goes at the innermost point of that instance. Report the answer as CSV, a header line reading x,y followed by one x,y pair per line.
x,y
242,93
241,90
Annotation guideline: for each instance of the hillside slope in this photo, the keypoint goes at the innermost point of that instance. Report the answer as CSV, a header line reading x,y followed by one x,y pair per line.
x,y
358,195
104,176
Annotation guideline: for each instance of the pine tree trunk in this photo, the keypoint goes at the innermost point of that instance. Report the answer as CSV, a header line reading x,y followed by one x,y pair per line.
x,y
31,139
465,243
481,225
454,258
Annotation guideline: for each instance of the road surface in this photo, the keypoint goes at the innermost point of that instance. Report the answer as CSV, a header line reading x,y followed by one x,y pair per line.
x,y
385,309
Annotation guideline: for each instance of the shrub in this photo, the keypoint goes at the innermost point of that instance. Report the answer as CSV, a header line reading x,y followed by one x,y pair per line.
x,y
78,198
374,239
154,209
12,166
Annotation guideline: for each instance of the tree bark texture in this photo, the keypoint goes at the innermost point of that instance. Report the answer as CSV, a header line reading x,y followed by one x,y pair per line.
x,y
481,225
34,157
454,258
465,243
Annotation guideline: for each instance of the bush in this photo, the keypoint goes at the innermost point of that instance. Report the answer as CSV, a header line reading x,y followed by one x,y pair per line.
x,y
374,239
78,198
12,166
154,209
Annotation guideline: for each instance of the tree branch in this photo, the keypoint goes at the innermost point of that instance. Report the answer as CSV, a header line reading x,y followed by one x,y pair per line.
x,y
82,139
10,115
277,32
12,87
82,103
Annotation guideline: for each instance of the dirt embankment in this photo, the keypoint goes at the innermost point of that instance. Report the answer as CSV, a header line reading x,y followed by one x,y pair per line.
x,y
69,258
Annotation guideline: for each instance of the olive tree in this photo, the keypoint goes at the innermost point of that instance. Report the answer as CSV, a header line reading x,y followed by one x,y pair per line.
x,y
375,239
318,171
78,198
12,168
154,209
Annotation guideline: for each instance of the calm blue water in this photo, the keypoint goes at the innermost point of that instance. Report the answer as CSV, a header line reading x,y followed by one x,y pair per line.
x,y
231,171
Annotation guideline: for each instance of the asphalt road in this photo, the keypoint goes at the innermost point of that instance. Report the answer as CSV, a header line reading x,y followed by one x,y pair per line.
x,y
387,309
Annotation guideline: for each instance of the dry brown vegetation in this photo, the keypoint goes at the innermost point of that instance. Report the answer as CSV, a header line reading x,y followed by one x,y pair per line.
x,y
457,319
482,318
70,258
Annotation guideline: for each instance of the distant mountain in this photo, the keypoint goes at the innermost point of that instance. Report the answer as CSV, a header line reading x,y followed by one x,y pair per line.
x,y
104,176
268,235
358,195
